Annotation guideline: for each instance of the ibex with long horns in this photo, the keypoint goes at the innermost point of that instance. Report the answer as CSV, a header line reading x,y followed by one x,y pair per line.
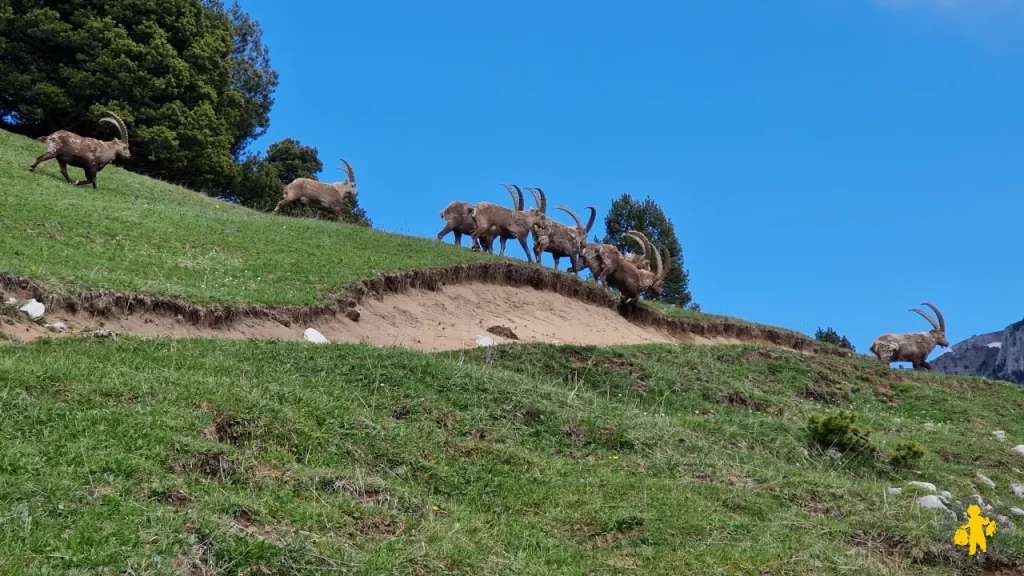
x,y
458,217
89,154
563,241
516,224
329,196
913,347
631,281
594,256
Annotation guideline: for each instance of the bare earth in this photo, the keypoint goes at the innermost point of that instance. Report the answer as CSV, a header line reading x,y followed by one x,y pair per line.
x,y
422,320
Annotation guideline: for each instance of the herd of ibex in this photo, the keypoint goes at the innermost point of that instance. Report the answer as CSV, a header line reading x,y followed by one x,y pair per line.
x,y
629,273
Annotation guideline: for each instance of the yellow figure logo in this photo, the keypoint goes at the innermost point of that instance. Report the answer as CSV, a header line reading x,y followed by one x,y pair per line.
x,y
973,533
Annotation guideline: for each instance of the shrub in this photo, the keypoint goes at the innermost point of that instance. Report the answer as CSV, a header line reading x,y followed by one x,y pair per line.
x,y
837,430
830,336
906,454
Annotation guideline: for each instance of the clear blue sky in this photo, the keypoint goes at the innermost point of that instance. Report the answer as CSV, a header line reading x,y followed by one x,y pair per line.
x,y
825,162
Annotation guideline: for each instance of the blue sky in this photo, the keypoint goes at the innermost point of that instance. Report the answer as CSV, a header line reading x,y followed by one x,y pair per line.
x,y
825,162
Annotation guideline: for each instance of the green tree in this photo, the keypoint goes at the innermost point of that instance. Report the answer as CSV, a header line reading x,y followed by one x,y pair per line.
x,y
191,79
647,217
830,336
262,179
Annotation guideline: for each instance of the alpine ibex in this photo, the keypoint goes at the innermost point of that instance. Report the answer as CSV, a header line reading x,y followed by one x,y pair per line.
x,y
594,257
458,217
510,223
560,240
329,196
629,280
89,154
913,347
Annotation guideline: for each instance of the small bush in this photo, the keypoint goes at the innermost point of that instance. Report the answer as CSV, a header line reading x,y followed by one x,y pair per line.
x,y
906,454
837,430
830,336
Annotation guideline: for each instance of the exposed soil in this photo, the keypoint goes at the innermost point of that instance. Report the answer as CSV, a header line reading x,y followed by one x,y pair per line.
x,y
428,310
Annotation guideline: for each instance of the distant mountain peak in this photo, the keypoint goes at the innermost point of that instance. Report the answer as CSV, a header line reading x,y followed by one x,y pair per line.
x,y
996,355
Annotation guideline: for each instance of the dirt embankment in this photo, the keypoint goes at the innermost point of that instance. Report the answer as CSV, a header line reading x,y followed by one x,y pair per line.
x,y
428,310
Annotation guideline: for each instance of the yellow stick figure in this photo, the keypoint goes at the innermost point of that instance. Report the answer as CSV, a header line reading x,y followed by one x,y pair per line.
x,y
973,533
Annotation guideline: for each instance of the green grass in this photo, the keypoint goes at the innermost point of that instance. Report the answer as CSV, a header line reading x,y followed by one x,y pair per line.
x,y
136,235
540,460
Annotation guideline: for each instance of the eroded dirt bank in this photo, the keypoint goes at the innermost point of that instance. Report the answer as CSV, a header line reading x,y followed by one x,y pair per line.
x,y
427,310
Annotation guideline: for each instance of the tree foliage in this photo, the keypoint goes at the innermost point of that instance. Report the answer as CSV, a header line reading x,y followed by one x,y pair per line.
x,y
830,336
626,214
191,79
262,179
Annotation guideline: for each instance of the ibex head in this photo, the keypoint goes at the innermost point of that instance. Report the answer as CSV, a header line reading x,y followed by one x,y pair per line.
x,y
938,329
121,151
346,187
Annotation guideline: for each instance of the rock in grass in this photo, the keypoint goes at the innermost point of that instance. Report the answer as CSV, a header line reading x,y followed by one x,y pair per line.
x,y
484,341
33,308
315,337
986,480
923,485
931,501
1017,511
894,491
999,435
1017,489
1019,448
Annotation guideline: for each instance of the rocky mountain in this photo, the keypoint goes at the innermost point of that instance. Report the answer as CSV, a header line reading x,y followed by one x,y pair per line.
x,y
996,355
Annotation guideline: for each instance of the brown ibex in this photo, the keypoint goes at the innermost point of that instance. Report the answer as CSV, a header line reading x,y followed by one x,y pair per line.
x,y
329,196
629,280
458,217
560,240
913,347
595,256
511,223
89,154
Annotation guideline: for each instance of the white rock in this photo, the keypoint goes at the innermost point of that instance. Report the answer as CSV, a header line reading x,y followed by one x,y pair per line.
x,y
1019,448
894,491
931,501
34,309
923,485
315,337
834,454
986,480
945,496
1000,435
58,326
12,302
1017,511
978,500
1017,489
484,341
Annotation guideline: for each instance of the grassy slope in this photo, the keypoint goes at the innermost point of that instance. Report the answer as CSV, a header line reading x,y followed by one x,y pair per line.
x,y
345,444
141,236
335,448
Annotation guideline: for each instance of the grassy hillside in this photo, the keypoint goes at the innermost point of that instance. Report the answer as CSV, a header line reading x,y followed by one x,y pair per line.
x,y
273,458
197,457
136,235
